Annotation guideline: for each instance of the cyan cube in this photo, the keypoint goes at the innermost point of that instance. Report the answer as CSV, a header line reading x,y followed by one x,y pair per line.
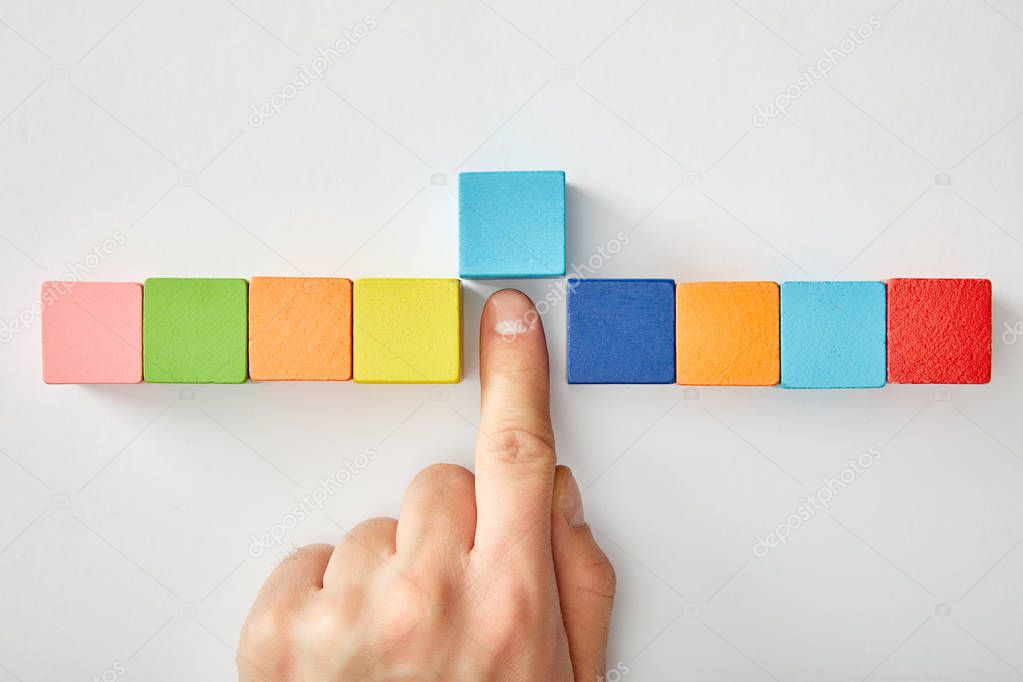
x,y
621,331
833,335
511,224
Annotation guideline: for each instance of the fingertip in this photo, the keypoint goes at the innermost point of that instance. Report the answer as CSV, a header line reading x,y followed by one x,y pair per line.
x,y
508,315
567,497
561,475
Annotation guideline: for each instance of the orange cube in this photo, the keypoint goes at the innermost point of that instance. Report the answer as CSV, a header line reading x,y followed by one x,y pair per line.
x,y
300,329
727,333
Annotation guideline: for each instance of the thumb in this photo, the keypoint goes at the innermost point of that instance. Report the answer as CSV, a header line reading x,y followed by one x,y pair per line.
x,y
586,580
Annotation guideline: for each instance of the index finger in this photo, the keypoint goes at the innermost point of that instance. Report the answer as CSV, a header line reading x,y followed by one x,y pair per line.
x,y
515,454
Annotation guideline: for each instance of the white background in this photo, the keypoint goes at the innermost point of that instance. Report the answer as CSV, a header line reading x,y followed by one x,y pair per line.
x,y
126,511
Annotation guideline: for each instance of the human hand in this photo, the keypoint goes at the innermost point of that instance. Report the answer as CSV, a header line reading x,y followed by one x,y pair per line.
x,y
488,577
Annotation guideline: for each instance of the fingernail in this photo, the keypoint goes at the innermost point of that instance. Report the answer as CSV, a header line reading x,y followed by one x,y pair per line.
x,y
570,502
512,314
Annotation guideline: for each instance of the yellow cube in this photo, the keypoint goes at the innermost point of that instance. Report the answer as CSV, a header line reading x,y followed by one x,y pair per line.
x,y
407,331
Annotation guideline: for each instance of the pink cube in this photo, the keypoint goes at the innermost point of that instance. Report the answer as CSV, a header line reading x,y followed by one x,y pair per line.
x,y
92,332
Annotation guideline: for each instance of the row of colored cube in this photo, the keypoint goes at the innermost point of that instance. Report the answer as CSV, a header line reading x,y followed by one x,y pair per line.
x,y
801,334
274,329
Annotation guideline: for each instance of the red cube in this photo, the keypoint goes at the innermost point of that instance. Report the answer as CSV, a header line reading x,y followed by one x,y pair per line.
x,y
939,331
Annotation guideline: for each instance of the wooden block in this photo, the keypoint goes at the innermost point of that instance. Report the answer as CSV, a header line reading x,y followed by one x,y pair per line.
x,y
726,333
833,335
92,332
939,331
621,331
195,331
511,224
300,329
407,331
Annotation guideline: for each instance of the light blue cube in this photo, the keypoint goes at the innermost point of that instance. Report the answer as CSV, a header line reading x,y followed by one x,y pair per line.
x,y
511,224
833,335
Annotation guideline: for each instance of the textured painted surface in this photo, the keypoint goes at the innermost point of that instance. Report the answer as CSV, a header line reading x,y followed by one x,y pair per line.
x,y
726,333
939,331
511,224
92,332
833,334
621,331
195,330
300,329
407,331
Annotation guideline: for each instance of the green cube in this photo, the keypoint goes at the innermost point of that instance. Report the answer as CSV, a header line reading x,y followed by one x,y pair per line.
x,y
195,331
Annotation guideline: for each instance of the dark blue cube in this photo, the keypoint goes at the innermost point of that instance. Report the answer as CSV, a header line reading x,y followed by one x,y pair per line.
x,y
621,331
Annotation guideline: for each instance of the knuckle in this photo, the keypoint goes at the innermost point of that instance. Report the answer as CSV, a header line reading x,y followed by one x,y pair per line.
x,y
323,626
263,631
514,367
445,477
371,529
600,578
518,605
404,608
317,553
374,525
374,535
520,446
